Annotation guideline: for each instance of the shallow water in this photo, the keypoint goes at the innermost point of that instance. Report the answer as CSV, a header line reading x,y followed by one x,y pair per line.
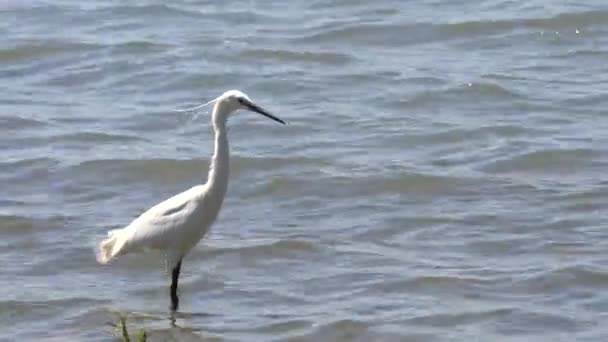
x,y
441,179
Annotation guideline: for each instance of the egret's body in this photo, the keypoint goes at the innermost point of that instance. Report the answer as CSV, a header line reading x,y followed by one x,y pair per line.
x,y
176,225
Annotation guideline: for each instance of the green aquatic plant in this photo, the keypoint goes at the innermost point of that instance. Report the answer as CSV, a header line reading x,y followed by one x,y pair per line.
x,y
140,337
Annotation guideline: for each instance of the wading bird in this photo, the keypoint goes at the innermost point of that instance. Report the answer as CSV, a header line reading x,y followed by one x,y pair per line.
x,y
177,224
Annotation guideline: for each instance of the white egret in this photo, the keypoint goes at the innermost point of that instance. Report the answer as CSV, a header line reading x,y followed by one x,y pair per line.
x,y
177,224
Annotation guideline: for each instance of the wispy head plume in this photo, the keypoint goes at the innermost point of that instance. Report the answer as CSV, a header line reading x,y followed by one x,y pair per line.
x,y
194,110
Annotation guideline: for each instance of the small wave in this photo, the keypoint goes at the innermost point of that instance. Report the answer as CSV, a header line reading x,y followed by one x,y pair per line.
x,y
564,160
381,34
568,20
591,200
462,135
588,101
408,183
521,321
426,32
241,163
398,226
158,10
285,326
261,250
17,224
558,280
478,91
367,33
418,33
286,56
481,90
142,169
13,122
31,163
235,15
134,47
581,53
44,310
498,247
432,284
96,137
349,186
36,50
30,170
487,90
177,169
461,318
341,330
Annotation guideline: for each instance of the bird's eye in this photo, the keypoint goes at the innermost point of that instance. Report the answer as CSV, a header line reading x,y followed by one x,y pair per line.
x,y
241,101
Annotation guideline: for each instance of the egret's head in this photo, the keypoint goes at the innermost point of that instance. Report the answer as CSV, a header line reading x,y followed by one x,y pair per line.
x,y
233,100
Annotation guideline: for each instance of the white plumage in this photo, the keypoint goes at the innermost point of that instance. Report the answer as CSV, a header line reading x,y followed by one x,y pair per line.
x,y
177,224
169,226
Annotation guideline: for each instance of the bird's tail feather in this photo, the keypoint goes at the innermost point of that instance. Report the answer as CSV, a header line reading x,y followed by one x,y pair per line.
x,y
110,247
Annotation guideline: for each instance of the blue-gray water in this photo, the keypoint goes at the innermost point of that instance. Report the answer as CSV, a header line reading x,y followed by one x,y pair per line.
x,y
442,177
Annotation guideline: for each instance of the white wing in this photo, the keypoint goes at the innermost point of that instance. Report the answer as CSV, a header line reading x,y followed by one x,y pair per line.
x,y
172,225
167,223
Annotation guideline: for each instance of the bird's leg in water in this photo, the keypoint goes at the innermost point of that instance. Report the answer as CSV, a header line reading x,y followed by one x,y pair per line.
x,y
174,277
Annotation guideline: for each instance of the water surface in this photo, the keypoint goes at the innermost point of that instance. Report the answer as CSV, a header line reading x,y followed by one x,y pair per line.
x,y
441,179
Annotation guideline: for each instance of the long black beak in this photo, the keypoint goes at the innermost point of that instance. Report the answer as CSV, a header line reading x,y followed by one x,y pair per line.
x,y
252,107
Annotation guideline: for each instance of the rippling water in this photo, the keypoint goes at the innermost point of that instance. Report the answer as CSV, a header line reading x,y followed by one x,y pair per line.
x,y
442,179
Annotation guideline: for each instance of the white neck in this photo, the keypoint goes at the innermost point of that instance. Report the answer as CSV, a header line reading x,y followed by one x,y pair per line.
x,y
217,179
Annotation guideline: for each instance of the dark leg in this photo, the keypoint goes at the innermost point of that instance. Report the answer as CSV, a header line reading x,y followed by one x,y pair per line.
x,y
174,277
